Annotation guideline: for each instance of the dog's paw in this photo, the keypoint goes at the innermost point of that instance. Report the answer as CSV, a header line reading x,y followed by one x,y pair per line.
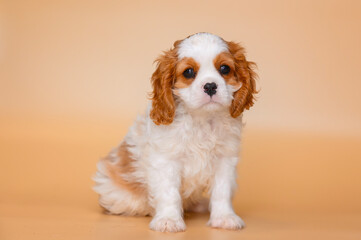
x,y
231,222
167,225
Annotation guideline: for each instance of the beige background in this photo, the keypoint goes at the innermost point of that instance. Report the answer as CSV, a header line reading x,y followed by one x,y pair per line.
x,y
74,74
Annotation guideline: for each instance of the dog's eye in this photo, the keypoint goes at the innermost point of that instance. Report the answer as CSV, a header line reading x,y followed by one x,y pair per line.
x,y
189,73
224,69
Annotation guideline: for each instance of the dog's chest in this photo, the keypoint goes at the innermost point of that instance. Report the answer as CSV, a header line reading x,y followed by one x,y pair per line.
x,y
201,139
203,142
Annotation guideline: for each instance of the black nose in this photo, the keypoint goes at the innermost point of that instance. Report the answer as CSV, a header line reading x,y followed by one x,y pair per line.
x,y
210,88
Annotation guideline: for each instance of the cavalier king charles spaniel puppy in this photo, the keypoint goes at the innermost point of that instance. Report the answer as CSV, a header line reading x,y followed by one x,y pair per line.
x,y
185,149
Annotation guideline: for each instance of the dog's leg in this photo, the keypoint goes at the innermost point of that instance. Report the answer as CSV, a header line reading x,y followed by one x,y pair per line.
x,y
222,213
164,184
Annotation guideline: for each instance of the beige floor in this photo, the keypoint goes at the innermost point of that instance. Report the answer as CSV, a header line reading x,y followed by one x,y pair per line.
x,y
291,186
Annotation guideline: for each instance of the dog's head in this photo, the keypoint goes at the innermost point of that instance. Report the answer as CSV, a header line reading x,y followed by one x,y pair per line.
x,y
204,72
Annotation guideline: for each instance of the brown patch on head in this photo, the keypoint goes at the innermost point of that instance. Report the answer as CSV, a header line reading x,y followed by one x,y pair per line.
x,y
163,106
243,70
182,65
226,58
117,170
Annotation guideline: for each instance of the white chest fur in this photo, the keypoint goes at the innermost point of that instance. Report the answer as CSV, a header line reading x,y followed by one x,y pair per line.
x,y
196,143
202,141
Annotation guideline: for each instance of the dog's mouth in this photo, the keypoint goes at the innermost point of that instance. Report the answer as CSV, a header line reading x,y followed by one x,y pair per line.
x,y
213,100
211,104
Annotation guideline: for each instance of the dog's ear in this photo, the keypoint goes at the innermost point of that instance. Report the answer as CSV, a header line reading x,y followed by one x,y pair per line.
x,y
163,106
244,97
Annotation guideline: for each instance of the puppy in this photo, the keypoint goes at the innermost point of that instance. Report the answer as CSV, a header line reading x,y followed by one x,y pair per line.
x,y
187,144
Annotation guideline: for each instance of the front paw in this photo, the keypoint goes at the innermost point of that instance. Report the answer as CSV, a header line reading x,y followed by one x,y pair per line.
x,y
164,224
231,222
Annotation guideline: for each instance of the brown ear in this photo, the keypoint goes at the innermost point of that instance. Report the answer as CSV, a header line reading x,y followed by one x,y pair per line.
x,y
163,107
244,97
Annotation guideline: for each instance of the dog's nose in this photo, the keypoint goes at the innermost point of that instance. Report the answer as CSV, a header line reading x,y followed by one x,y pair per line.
x,y
210,88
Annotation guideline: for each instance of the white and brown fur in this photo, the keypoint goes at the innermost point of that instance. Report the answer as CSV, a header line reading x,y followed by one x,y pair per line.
x,y
187,144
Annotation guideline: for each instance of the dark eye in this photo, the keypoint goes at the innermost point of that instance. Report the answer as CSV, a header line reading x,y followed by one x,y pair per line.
x,y
224,69
189,73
